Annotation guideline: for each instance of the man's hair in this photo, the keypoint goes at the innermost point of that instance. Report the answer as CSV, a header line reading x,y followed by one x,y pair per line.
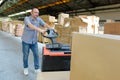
x,y
34,8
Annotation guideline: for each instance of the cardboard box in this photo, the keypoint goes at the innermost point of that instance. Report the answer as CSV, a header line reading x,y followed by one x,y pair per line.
x,y
0,25
95,57
48,18
112,28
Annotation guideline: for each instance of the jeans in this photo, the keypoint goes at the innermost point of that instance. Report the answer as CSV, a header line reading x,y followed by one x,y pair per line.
x,y
26,49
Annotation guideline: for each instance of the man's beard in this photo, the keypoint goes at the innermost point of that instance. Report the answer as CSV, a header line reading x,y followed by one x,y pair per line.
x,y
36,16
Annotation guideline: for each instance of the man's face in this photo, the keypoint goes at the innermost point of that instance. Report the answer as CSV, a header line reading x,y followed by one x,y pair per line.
x,y
35,13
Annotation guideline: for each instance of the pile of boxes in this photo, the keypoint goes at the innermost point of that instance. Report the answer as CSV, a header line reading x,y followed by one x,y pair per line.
x,y
82,24
65,26
19,30
13,27
50,20
0,25
112,28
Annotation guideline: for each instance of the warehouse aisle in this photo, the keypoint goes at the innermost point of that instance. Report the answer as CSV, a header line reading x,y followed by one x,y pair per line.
x,y
11,59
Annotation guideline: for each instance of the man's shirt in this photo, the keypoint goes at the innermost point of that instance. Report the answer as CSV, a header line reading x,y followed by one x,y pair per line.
x,y
29,35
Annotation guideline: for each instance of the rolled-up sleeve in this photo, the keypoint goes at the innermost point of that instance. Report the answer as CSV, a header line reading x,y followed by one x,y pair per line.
x,y
27,21
42,23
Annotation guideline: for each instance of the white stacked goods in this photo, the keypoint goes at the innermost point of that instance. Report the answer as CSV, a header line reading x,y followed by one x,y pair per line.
x,y
61,18
92,23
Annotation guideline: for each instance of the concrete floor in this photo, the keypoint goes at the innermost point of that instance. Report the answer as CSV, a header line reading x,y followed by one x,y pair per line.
x,y
11,67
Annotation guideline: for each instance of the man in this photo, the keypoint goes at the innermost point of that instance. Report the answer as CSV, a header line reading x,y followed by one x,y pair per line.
x,y
29,38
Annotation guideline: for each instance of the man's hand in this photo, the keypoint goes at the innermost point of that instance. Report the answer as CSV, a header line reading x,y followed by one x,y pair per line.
x,y
43,31
55,30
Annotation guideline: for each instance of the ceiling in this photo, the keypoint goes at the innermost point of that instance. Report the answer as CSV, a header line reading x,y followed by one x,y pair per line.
x,y
54,7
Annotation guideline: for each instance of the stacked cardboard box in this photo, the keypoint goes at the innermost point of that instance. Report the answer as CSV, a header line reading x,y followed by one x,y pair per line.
x,y
50,21
65,33
48,18
70,25
4,26
16,27
86,24
112,28
0,25
76,23
11,27
39,37
66,25
19,30
43,39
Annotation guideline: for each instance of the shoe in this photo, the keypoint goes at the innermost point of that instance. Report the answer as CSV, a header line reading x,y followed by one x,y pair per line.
x,y
25,71
37,70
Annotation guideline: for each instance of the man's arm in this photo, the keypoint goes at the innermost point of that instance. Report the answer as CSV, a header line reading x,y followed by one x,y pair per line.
x,y
47,26
28,23
35,28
